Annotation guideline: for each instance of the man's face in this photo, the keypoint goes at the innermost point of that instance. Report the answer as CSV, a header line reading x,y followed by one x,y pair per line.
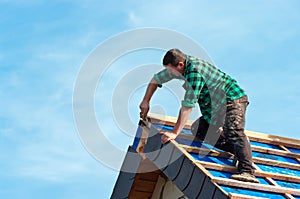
x,y
175,70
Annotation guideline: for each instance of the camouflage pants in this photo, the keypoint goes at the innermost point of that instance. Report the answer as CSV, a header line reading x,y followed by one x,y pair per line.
x,y
234,139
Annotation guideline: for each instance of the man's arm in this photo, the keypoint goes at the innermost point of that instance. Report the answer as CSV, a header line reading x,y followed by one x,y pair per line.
x,y
184,114
144,106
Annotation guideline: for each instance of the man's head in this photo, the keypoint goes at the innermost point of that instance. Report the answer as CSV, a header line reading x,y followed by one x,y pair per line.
x,y
174,60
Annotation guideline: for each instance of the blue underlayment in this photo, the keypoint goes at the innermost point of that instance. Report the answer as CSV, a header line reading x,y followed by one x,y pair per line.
x,y
252,192
190,142
195,143
218,160
223,174
274,157
280,170
269,146
294,150
137,137
286,184
170,128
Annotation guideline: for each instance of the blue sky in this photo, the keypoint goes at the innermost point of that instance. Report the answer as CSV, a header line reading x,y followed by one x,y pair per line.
x,y
44,43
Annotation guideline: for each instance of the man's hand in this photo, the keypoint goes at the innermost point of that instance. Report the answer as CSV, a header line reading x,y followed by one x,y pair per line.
x,y
167,136
144,106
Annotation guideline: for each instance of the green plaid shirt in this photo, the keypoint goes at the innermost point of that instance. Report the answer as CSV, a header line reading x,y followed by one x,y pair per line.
x,y
205,84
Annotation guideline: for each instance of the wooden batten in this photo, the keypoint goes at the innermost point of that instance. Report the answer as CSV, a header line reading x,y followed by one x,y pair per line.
x,y
241,196
273,182
144,181
254,186
284,148
254,136
269,162
205,151
156,164
257,173
275,152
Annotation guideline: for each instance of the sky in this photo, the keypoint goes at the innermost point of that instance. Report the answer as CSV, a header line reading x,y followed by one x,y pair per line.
x,y
44,45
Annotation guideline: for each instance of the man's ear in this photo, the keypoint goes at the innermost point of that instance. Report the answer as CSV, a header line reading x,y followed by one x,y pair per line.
x,y
181,65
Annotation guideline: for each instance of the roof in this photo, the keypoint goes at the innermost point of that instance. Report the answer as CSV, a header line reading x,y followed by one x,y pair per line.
x,y
199,170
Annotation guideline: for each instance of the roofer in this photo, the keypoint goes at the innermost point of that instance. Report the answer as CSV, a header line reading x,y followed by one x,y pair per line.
x,y
222,104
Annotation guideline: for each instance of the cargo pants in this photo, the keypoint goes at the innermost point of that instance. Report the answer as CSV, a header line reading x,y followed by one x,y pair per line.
x,y
233,139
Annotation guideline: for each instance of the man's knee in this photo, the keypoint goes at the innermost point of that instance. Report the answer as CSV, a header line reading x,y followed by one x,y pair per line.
x,y
199,128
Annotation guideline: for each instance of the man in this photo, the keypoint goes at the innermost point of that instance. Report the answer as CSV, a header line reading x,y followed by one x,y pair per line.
x,y
222,103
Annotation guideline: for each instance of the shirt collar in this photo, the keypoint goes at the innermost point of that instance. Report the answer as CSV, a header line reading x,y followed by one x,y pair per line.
x,y
187,65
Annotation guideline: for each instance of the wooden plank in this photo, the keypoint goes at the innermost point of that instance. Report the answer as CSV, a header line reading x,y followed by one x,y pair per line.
x,y
265,161
255,136
254,186
241,196
140,195
275,141
145,167
143,138
275,152
231,169
270,162
218,167
145,186
205,151
273,182
286,149
150,176
154,144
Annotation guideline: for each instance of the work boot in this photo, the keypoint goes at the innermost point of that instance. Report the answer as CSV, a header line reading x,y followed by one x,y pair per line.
x,y
246,177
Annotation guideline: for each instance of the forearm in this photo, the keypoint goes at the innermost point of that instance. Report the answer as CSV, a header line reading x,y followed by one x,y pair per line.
x,y
182,119
152,86
144,106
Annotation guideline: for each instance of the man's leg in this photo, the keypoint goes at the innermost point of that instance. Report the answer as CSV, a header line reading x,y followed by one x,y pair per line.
x,y
235,136
199,128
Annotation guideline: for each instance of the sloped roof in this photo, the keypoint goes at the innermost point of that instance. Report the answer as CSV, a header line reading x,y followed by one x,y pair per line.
x,y
201,171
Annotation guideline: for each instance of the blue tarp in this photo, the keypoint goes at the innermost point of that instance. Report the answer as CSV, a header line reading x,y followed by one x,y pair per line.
x,y
294,150
275,169
252,192
224,174
269,146
274,157
293,185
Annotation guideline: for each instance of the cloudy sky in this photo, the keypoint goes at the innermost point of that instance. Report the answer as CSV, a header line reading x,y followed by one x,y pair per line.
x,y
44,45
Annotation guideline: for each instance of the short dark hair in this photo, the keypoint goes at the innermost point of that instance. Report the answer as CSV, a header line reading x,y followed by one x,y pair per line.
x,y
174,56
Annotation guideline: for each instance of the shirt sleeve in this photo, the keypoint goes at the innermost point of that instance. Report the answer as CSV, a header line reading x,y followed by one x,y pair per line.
x,y
193,85
163,76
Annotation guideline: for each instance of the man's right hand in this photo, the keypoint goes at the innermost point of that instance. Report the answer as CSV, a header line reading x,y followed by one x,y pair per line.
x,y
144,106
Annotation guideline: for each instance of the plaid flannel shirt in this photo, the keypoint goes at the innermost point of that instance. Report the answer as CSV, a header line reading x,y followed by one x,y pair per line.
x,y
205,84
